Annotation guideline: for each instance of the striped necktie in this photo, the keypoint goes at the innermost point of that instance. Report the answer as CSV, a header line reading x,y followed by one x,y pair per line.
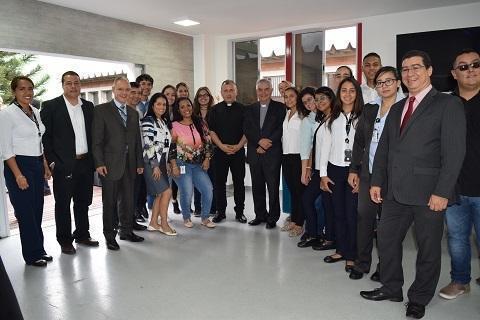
x,y
123,114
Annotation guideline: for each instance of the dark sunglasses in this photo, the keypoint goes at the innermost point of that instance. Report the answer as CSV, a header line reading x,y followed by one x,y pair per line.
x,y
465,67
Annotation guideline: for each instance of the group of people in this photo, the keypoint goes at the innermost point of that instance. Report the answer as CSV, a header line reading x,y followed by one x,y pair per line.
x,y
359,160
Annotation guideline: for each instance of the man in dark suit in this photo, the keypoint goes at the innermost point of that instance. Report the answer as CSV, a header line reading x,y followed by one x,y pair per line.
x,y
263,129
117,151
418,160
67,145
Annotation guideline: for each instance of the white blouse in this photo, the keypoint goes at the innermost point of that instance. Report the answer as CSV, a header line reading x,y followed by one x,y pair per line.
x,y
336,142
291,134
19,134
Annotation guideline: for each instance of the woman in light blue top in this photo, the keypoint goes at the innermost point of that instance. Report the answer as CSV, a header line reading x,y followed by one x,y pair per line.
x,y
307,129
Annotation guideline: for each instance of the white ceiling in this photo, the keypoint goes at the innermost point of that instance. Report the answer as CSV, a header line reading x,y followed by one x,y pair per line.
x,y
229,17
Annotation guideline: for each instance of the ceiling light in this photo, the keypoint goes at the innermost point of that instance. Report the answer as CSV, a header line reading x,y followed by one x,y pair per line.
x,y
186,23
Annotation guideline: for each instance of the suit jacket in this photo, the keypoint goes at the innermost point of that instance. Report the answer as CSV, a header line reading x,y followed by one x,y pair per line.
x,y
59,137
363,138
272,129
111,140
426,157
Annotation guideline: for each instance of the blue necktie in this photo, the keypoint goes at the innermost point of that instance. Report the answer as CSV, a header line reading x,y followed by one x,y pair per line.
x,y
123,114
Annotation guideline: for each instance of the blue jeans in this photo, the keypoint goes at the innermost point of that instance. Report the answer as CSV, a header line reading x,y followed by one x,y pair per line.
x,y
460,219
194,176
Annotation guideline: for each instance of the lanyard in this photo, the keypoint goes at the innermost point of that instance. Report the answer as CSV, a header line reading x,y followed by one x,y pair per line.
x,y
348,126
33,117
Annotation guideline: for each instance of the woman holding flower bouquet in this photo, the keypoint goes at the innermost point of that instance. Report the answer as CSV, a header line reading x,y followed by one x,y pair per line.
x,y
157,139
190,159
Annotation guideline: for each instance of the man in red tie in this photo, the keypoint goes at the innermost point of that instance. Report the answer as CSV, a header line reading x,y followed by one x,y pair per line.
x,y
416,165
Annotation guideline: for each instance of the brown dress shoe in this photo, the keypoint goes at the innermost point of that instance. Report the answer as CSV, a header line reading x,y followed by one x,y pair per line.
x,y
88,242
68,249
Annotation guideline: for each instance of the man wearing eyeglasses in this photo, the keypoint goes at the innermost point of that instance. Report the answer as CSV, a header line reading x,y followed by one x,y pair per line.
x,y
465,213
418,159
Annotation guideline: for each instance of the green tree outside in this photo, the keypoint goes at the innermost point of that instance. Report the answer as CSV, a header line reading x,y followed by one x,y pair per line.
x,y
14,64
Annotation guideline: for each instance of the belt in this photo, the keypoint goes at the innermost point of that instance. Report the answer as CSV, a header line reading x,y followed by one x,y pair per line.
x,y
81,156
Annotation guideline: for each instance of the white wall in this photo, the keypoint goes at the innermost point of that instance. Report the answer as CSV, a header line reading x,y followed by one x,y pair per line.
x,y
379,35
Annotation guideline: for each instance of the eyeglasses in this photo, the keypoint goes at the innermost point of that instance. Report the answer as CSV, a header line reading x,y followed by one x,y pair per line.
x,y
415,68
321,98
386,83
465,67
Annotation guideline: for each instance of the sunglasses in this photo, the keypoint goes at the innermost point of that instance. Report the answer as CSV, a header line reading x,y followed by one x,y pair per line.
x,y
465,67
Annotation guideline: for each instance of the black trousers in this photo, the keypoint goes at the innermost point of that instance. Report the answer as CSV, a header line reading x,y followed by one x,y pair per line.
x,y
428,230
292,172
266,173
366,222
344,205
310,195
28,205
10,309
117,197
236,164
78,185
140,198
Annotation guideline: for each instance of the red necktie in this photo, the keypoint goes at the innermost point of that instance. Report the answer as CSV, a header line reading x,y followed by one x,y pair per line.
x,y
408,114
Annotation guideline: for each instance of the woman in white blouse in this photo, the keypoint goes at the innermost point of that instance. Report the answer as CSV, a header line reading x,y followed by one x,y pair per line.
x,y
291,162
335,158
21,131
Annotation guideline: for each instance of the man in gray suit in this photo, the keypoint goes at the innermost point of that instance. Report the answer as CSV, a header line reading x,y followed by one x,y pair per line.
x,y
117,151
418,160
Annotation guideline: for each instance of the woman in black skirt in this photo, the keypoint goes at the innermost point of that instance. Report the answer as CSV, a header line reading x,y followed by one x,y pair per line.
x,y
156,136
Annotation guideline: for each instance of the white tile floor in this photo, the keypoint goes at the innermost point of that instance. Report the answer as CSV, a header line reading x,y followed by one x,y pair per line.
x,y
233,272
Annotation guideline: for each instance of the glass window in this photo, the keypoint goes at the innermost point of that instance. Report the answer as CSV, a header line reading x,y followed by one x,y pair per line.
x,y
309,59
341,50
246,70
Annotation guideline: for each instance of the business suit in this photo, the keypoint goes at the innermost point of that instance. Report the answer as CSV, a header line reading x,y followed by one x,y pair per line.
x,y
72,177
117,146
367,209
265,168
422,160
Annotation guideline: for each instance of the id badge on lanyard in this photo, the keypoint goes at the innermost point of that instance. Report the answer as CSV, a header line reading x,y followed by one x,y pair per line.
x,y
348,149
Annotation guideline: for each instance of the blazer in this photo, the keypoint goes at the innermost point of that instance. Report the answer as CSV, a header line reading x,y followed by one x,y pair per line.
x,y
111,141
272,129
363,138
427,156
59,137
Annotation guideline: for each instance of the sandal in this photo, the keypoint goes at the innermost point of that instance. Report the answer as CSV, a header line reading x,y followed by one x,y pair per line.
x,y
295,231
188,223
207,223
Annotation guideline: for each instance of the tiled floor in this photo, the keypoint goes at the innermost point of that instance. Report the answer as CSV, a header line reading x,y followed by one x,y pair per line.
x,y
232,272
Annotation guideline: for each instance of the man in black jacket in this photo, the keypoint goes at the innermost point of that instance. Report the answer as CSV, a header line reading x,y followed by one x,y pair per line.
x,y
67,145
263,129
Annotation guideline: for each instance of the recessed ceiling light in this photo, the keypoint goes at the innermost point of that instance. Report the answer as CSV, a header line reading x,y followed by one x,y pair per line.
x,y
186,23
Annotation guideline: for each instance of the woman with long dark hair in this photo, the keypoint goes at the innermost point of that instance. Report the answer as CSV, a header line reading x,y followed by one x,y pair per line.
x,y
157,139
190,159
335,159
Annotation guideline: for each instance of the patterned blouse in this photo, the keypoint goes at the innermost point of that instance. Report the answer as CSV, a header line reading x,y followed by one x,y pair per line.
x,y
157,140
189,146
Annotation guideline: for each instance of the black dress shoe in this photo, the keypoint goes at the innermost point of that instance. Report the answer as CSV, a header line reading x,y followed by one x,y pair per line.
x,y
68,248
176,208
330,259
131,237
112,245
324,246
138,227
355,274
219,217
256,222
375,276
47,257
271,225
241,218
89,242
308,242
38,263
378,295
415,310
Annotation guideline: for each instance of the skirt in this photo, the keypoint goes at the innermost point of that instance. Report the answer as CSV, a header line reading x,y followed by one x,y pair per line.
x,y
156,187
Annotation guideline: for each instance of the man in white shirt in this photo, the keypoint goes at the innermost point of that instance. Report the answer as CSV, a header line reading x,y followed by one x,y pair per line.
x,y
68,149
371,64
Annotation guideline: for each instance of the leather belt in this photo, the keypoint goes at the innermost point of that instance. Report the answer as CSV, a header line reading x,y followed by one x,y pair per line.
x,y
81,156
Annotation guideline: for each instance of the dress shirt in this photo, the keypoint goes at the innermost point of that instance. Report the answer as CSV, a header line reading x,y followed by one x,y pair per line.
x,y
418,98
307,129
369,94
19,134
291,133
319,142
142,108
334,146
263,113
78,122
